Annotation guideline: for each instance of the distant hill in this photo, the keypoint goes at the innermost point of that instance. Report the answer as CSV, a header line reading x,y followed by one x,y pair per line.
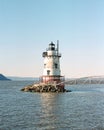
x,y
2,77
86,80
71,81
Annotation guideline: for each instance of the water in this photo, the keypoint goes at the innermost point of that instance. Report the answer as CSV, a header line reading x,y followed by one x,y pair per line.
x,y
82,109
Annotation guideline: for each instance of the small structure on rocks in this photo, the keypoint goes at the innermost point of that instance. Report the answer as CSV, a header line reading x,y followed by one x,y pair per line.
x,y
51,80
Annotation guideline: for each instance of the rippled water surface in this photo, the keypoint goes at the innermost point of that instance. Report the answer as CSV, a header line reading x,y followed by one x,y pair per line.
x,y
81,109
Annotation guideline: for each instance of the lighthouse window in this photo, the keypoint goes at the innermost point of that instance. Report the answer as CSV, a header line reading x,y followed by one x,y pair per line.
x,y
52,48
48,72
44,65
56,66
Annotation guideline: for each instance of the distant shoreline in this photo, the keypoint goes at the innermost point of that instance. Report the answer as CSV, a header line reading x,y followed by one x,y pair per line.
x,y
68,81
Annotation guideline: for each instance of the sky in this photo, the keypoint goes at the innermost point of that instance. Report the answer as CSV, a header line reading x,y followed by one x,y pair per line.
x,y
28,26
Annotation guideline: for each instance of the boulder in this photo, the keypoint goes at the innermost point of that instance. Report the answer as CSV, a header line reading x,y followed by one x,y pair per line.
x,y
41,87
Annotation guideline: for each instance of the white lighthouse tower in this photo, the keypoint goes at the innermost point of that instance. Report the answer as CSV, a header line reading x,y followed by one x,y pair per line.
x,y
52,72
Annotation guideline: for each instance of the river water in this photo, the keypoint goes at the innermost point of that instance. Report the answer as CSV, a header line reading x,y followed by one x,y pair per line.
x,y
81,109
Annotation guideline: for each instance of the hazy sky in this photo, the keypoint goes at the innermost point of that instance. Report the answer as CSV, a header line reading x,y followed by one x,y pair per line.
x,y
28,26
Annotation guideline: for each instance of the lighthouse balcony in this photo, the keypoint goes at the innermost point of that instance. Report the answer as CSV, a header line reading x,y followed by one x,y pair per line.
x,y
52,55
59,54
44,54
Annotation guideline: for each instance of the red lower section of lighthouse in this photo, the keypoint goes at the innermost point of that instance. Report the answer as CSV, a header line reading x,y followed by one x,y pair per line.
x,y
58,80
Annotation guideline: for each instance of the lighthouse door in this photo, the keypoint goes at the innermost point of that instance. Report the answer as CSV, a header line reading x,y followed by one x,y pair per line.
x,y
48,72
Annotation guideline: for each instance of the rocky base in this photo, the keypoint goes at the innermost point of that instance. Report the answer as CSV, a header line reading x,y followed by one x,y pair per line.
x,y
43,88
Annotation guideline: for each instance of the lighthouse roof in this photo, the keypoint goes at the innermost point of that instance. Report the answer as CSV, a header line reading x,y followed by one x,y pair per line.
x,y
52,44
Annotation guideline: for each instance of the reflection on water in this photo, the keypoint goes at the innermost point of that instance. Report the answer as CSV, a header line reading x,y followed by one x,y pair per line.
x,y
52,111
82,109
48,115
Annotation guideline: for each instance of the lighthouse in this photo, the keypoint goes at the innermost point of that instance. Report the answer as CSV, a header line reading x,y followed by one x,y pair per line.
x,y
51,70
51,80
